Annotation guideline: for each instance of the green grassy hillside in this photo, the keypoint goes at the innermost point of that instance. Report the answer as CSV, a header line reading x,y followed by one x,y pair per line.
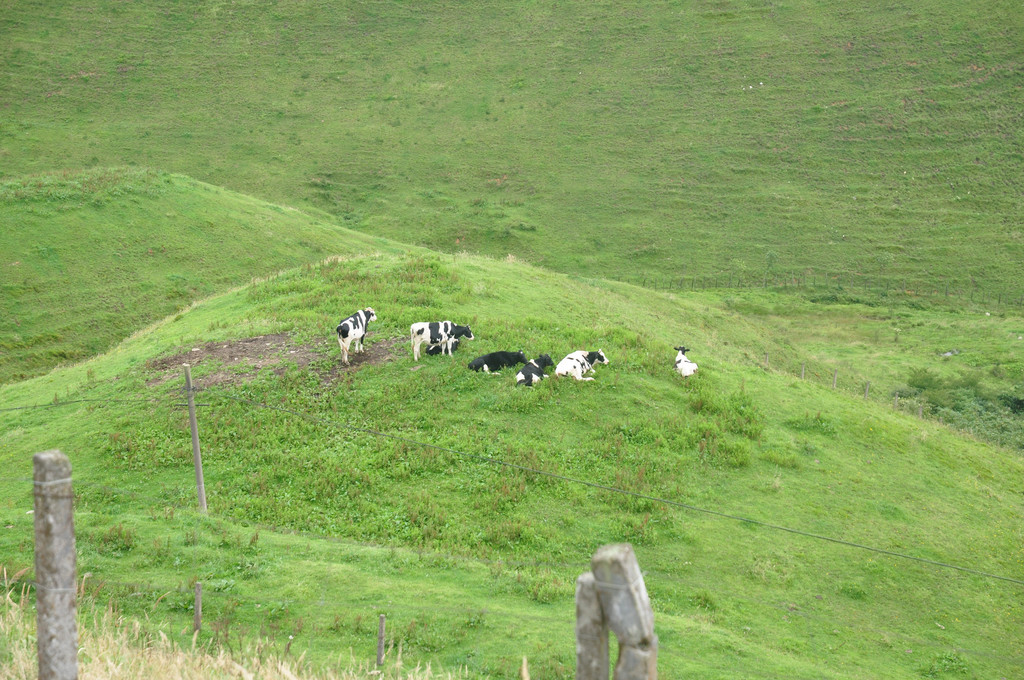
x,y
469,523
91,257
595,138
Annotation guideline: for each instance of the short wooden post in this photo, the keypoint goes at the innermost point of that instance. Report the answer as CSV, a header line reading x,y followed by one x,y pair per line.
x,y
835,378
867,388
56,631
766,358
592,660
380,641
920,411
197,458
802,367
197,617
625,609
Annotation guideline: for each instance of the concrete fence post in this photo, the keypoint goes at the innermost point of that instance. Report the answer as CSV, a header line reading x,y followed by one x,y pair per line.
x,y
380,641
56,629
612,596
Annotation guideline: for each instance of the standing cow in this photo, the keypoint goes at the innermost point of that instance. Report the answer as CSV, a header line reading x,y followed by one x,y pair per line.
x,y
443,333
579,363
352,330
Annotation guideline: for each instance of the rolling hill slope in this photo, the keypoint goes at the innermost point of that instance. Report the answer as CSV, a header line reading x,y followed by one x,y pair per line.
x,y
473,560
731,137
91,257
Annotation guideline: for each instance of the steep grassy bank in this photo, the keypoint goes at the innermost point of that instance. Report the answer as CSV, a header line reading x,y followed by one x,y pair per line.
x,y
474,560
91,257
593,138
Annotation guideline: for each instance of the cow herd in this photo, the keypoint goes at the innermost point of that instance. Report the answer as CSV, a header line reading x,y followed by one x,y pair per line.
x,y
443,337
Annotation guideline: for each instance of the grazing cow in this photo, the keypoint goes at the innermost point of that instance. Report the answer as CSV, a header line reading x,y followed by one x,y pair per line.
x,y
495,361
533,371
685,367
352,330
434,350
441,333
577,364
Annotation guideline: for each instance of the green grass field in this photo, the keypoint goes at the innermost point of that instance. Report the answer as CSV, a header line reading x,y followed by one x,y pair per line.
x,y
732,137
219,185
473,561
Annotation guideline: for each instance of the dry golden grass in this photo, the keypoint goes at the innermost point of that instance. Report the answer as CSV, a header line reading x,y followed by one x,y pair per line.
x,y
112,646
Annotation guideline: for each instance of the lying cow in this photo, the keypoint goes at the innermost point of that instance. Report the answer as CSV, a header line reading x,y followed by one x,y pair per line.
x,y
434,350
495,361
578,364
685,367
533,371
437,333
352,330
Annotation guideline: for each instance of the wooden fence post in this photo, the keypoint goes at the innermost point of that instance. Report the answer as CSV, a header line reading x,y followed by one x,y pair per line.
x,y
197,458
56,631
835,378
380,641
592,661
622,606
802,367
867,388
197,618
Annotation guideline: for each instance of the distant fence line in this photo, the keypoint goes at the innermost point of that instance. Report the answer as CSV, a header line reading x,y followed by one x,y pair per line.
x,y
906,288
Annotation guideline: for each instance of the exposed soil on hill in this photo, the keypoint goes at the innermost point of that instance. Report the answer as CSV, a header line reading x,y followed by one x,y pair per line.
x,y
240,360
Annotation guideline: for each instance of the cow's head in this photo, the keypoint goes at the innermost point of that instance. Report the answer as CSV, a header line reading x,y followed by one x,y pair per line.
x,y
683,350
462,332
544,360
601,358
370,314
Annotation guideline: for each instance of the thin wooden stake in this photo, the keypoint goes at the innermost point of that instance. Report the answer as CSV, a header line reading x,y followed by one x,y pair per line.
x,y
835,378
197,458
896,400
197,619
380,641
53,517
802,367
867,388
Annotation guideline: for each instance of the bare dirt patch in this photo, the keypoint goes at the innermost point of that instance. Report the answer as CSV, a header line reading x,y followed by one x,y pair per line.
x,y
241,360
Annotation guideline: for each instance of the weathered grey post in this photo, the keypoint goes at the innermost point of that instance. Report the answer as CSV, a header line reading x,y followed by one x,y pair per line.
x,y
802,367
867,388
380,641
56,631
197,617
622,607
197,458
835,378
591,632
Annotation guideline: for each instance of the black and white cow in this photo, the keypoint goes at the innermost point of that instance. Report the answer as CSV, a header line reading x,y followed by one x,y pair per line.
x,y
533,371
685,367
495,361
442,333
579,363
352,330
434,350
